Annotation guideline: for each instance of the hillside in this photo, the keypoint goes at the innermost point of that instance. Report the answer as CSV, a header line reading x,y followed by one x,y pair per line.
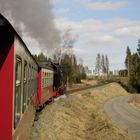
x,y
80,116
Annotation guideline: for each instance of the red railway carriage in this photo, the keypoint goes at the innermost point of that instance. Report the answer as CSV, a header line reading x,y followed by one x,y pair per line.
x,y
24,84
45,83
18,84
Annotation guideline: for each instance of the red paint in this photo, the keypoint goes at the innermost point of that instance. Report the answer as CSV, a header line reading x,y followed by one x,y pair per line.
x,y
46,94
61,88
59,91
55,93
43,94
6,90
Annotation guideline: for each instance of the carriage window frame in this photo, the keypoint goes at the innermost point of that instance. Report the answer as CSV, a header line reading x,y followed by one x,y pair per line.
x,y
29,83
32,75
17,96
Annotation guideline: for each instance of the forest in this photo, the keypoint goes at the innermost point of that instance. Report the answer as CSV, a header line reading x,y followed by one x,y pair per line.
x,y
73,72
132,63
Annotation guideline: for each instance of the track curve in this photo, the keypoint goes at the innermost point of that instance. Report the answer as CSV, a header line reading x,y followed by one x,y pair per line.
x,y
71,91
124,115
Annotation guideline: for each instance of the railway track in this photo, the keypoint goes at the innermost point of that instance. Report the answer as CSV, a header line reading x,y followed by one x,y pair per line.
x,y
84,88
39,111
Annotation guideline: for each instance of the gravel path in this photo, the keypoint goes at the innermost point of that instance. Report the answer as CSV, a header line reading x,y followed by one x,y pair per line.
x,y
124,115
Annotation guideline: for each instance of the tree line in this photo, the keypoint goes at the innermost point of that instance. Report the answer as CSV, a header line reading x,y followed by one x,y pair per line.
x,y
132,63
72,71
102,64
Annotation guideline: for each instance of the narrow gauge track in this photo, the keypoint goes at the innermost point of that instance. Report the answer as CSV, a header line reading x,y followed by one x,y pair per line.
x,y
72,91
84,88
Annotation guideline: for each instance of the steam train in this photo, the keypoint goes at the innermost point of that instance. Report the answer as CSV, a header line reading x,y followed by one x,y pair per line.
x,y
25,84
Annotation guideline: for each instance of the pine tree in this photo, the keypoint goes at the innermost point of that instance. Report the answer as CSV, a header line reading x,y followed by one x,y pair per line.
x,y
128,61
133,72
128,57
72,70
107,65
40,57
138,67
98,64
132,63
103,68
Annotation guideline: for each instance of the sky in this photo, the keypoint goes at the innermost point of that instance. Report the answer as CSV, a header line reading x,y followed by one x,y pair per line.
x,y
102,26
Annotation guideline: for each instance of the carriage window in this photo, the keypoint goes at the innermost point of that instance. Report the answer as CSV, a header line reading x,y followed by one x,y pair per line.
x,y
24,88
29,83
29,72
32,73
17,105
43,79
25,70
48,78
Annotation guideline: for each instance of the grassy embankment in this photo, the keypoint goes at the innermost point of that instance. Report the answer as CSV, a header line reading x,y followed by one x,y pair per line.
x,y
80,117
135,101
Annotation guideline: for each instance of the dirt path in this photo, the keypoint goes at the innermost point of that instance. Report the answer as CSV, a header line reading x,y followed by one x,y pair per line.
x,y
124,115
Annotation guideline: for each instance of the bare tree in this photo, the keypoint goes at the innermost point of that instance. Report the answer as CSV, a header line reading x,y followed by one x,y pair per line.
x,y
66,46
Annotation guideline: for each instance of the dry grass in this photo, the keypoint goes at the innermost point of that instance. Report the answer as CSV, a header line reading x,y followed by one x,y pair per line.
x,y
124,80
83,84
80,117
135,101
90,82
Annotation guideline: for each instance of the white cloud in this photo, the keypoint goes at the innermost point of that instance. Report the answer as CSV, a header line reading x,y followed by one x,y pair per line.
x,y
129,31
61,10
108,5
124,31
109,37
57,1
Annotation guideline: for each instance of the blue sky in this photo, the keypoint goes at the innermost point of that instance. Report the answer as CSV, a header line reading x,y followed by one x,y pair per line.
x,y
101,26
105,26
75,10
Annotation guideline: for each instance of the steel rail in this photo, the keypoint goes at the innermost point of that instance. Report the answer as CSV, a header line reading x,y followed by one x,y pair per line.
x,y
85,88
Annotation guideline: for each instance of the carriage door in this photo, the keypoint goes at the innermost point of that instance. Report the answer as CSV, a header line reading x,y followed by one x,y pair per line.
x,y
17,102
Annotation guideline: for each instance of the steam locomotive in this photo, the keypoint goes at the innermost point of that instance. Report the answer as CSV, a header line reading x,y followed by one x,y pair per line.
x,y
25,84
